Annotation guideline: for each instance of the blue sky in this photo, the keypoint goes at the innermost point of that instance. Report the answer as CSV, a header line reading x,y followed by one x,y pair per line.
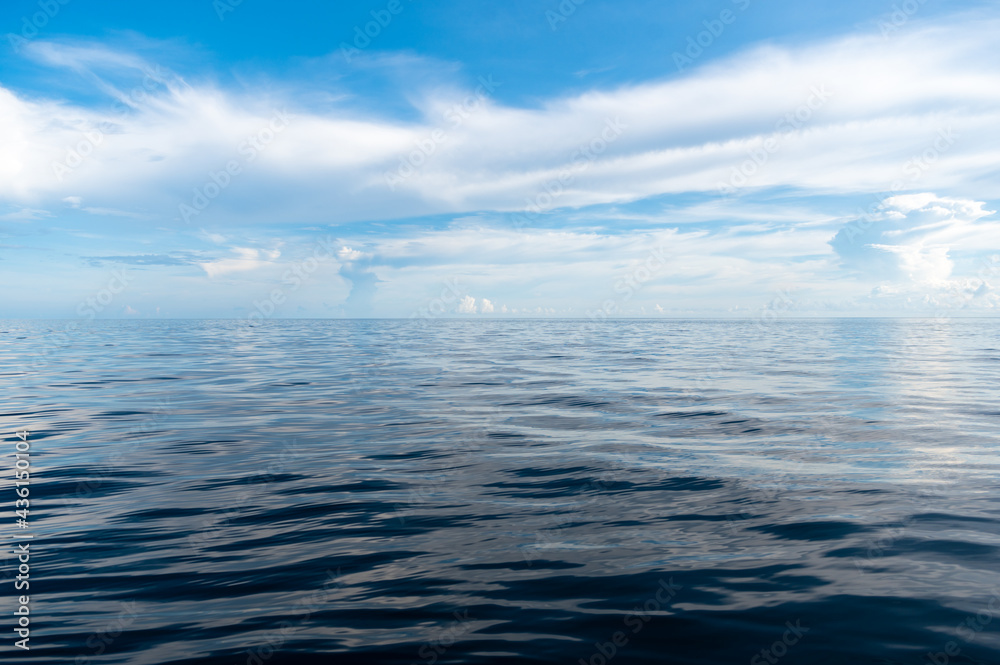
x,y
591,159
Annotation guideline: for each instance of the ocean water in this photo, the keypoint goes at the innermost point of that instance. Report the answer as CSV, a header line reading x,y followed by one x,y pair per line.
x,y
704,492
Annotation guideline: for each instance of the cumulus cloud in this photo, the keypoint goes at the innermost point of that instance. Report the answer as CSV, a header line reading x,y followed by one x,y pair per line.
x,y
247,258
355,267
467,305
910,236
909,242
348,255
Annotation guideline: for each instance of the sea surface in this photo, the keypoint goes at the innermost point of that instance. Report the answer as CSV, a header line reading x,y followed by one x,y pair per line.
x,y
543,491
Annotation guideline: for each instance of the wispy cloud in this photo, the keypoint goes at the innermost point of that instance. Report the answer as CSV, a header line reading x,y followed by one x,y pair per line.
x,y
25,215
143,260
745,169
886,101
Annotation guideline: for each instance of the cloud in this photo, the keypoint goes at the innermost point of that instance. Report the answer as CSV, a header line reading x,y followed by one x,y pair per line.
x,y
76,203
143,260
845,115
354,267
212,237
348,255
909,237
794,135
908,243
25,215
247,259
467,305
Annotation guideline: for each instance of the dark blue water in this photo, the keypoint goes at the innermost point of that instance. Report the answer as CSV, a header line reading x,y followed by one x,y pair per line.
x,y
508,491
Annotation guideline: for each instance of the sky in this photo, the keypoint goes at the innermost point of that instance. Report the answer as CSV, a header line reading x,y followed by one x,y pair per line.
x,y
249,159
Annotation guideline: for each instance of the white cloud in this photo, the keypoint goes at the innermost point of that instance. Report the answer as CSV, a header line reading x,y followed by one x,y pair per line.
x,y
347,254
247,259
888,102
917,113
909,237
467,305
25,215
908,243
211,236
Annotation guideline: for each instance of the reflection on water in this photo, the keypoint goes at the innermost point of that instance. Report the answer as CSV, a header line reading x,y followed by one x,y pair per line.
x,y
510,491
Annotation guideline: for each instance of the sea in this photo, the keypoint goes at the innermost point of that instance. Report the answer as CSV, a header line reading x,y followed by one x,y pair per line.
x,y
305,492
